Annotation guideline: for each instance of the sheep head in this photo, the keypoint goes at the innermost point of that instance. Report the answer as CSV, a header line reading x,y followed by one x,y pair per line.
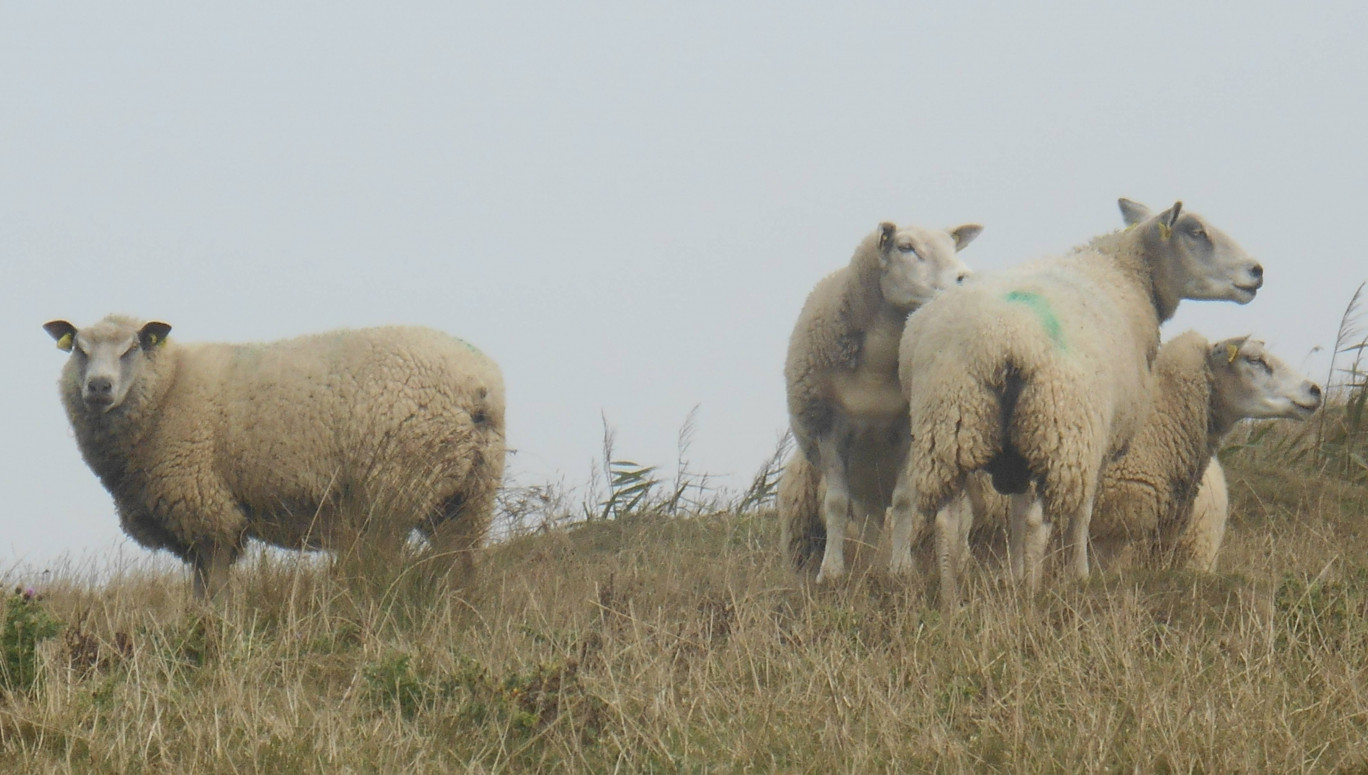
x,y
1191,258
917,263
1252,382
107,357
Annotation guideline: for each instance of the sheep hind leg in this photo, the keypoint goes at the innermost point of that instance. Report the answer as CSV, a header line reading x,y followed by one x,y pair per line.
x,y
1030,532
210,563
1018,518
1078,539
952,533
456,536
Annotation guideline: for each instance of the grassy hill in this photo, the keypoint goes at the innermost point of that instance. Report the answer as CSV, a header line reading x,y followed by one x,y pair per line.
x,y
652,639
680,644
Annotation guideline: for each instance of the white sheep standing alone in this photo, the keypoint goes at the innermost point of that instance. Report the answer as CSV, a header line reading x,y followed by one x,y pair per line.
x,y
845,406
1167,494
1041,374
299,443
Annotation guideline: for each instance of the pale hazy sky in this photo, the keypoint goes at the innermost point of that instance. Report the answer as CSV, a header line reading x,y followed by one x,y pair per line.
x,y
625,204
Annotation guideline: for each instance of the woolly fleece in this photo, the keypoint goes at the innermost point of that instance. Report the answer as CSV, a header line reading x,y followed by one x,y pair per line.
x,y
289,441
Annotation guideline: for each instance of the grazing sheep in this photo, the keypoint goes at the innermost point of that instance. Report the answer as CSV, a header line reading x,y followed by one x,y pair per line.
x,y
298,443
845,407
1167,493
1041,374
1201,390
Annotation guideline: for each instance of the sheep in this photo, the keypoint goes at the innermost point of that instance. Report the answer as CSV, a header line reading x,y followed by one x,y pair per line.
x,y
845,408
1201,390
1041,374
1167,493
298,443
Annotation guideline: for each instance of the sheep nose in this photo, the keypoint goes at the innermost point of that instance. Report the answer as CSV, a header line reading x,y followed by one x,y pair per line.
x,y
1315,392
99,386
960,278
1257,271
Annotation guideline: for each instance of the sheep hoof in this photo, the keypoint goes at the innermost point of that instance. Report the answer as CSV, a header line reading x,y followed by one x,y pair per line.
x,y
830,575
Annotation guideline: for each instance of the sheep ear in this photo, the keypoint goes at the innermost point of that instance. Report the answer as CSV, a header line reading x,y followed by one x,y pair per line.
x,y
1228,350
1132,212
1168,218
965,234
153,334
886,232
63,332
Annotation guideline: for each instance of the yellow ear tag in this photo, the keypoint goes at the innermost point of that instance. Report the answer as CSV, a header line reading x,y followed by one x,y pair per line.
x,y
1165,230
153,340
1231,352
64,343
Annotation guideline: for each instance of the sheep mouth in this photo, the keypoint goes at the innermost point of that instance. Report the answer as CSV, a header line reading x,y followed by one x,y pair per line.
x,y
1305,410
102,403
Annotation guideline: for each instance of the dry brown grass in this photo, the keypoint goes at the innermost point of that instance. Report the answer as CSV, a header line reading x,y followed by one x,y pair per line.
x,y
657,644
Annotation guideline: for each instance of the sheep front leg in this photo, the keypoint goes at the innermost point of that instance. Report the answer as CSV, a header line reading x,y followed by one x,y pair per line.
x,y
900,518
835,509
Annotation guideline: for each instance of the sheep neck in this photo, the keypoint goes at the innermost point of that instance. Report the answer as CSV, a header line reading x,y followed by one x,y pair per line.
x,y
864,302
1133,252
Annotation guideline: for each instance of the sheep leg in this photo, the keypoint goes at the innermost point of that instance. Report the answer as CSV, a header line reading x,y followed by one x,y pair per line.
x,y
951,540
835,508
1035,534
210,563
1016,533
1078,538
900,519
869,522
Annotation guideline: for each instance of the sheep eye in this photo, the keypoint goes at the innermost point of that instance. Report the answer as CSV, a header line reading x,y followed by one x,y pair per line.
x,y
1261,363
907,248
1197,232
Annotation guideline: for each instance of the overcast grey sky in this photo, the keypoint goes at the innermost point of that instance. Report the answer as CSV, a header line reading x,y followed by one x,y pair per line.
x,y
625,204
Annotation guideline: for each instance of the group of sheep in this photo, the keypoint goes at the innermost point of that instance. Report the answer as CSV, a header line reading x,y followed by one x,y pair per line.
x,y
1030,396
919,396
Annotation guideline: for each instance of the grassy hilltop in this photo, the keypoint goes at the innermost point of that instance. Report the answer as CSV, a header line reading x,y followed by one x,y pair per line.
x,y
653,643
663,637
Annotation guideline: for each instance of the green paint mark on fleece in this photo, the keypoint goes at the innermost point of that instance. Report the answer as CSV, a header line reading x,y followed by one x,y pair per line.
x,y
1041,307
468,345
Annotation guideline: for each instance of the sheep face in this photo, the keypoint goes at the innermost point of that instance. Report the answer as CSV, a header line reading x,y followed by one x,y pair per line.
x,y
1194,259
106,358
1251,382
918,263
